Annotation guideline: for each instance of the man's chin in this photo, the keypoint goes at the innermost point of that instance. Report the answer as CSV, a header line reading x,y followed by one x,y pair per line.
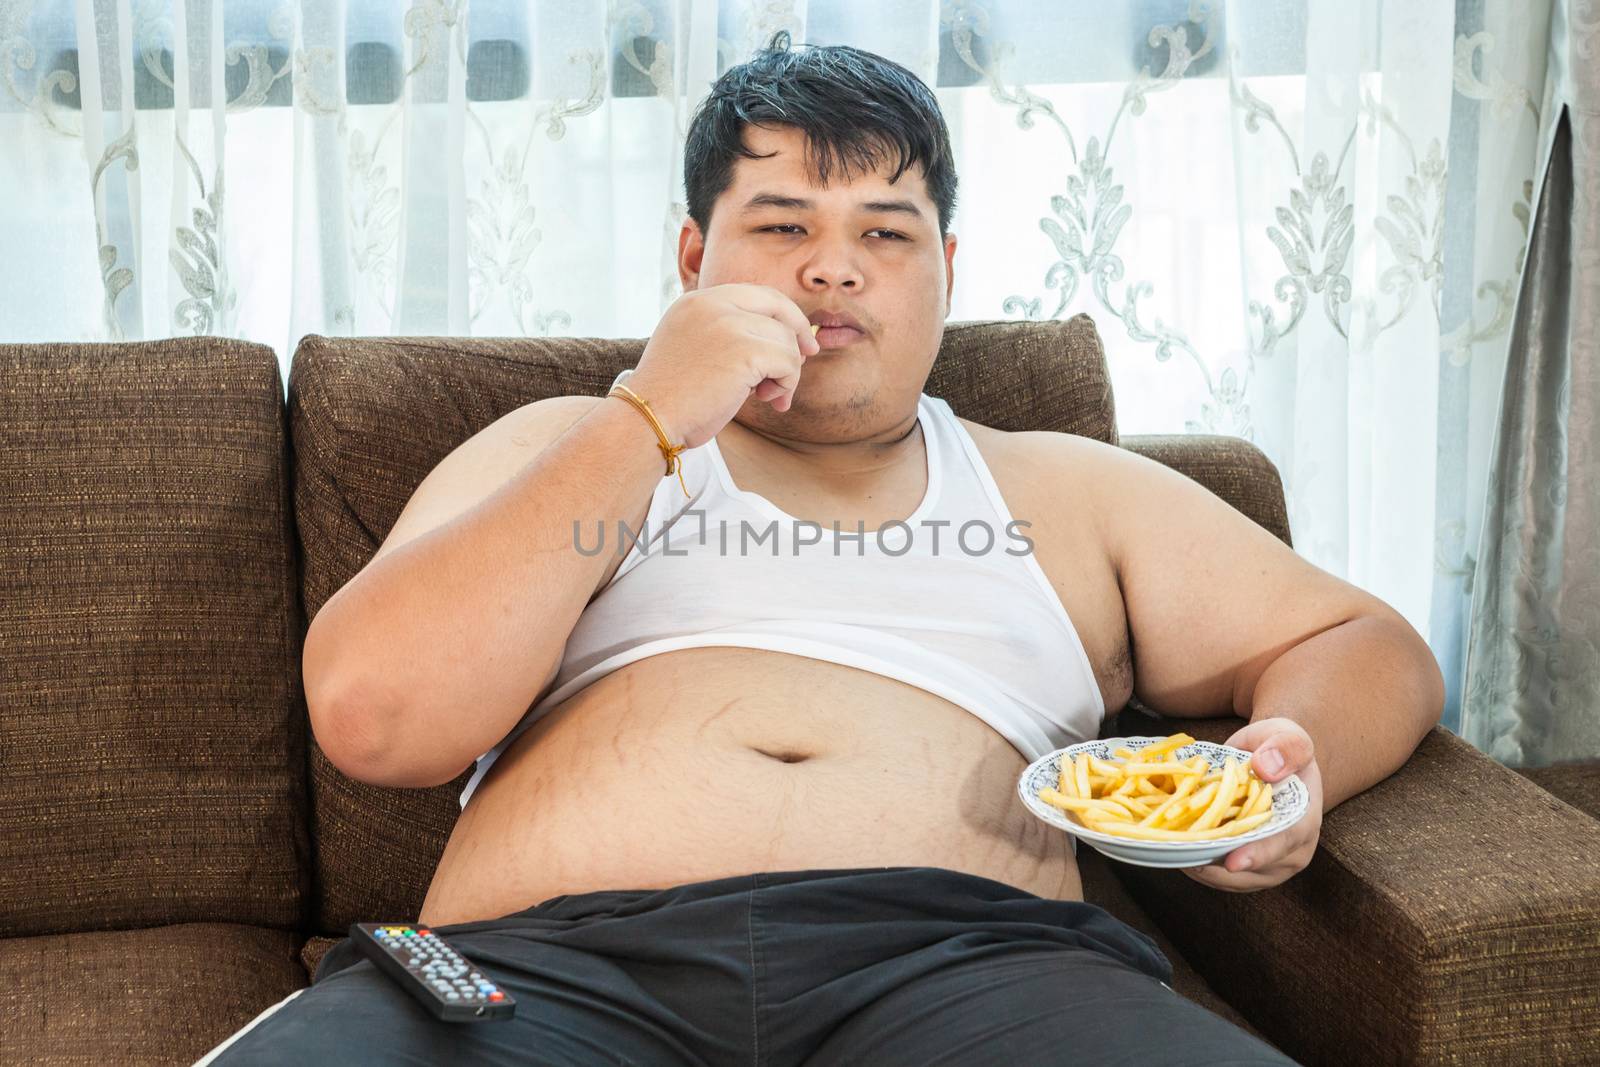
x,y
817,415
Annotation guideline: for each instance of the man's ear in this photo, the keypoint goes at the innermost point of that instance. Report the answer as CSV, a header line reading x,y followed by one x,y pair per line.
x,y
691,250
949,270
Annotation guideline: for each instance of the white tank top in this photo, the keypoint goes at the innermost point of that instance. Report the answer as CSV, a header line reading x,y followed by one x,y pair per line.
x,y
951,600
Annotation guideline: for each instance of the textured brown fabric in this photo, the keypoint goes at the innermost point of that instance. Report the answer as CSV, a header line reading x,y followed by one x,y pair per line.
x,y
1451,914
165,995
1576,783
371,417
1231,467
314,949
1027,376
151,735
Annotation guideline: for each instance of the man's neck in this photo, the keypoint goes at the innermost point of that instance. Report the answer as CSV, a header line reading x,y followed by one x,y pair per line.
x,y
856,457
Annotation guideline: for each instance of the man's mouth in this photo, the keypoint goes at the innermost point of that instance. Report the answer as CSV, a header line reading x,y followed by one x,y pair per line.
x,y
838,336
839,329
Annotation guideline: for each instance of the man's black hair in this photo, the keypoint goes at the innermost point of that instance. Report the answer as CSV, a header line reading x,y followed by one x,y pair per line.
x,y
856,109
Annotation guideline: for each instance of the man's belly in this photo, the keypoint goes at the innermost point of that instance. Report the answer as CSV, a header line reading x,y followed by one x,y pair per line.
x,y
710,762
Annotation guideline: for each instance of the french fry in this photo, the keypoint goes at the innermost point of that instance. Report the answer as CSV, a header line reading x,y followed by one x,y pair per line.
x,y
1183,791
1067,784
1162,747
1224,796
1171,767
1151,794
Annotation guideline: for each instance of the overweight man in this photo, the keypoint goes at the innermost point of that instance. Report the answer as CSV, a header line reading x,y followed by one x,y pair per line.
x,y
747,656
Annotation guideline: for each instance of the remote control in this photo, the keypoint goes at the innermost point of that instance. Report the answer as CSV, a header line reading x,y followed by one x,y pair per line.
x,y
433,972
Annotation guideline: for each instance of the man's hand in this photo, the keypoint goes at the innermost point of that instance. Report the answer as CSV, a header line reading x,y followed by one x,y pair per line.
x,y
714,349
1272,860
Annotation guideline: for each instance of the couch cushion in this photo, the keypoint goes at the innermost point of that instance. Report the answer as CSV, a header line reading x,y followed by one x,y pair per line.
x,y
1578,783
371,417
152,747
161,995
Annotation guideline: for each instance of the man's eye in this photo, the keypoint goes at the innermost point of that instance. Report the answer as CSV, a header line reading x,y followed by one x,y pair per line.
x,y
791,226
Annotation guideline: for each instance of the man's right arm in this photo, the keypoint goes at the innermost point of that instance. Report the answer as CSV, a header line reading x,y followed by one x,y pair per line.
x,y
432,653
428,657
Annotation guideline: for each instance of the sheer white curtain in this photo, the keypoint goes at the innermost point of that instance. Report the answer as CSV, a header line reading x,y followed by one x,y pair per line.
x,y
1296,221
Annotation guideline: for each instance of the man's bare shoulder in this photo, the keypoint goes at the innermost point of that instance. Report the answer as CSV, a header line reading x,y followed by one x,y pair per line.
x,y
1040,452
1056,475
1061,482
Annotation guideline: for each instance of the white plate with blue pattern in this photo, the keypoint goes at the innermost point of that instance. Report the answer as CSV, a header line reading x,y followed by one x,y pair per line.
x,y
1290,801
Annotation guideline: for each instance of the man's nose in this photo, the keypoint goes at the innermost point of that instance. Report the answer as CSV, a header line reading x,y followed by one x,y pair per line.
x,y
833,266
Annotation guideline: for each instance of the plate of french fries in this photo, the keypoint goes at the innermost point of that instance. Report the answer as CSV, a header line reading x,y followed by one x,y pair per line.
x,y
1160,801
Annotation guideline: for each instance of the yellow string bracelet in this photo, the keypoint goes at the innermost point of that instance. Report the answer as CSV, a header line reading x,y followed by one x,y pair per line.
x,y
668,450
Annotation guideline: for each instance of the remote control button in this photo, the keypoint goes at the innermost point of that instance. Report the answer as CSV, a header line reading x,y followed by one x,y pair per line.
x,y
497,996
452,996
475,976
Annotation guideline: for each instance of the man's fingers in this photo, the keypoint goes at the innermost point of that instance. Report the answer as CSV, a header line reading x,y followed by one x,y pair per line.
x,y
773,356
1244,882
1279,747
765,300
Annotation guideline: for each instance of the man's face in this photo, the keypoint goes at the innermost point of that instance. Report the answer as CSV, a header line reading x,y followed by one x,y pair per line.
x,y
861,247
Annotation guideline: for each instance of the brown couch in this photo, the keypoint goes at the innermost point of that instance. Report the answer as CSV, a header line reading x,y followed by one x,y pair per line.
x,y
178,854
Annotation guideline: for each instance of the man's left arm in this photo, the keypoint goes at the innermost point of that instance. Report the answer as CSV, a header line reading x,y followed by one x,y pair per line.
x,y
1223,617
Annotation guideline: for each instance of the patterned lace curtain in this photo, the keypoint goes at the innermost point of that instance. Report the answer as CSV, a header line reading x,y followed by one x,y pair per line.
x,y
1298,221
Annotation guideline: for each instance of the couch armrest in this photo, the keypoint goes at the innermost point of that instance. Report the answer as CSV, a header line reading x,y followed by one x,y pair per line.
x,y
1451,910
1231,467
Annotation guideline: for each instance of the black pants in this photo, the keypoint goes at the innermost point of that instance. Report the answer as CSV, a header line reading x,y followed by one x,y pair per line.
x,y
882,966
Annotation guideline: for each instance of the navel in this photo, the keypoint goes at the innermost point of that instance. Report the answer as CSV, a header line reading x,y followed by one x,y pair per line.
x,y
784,755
